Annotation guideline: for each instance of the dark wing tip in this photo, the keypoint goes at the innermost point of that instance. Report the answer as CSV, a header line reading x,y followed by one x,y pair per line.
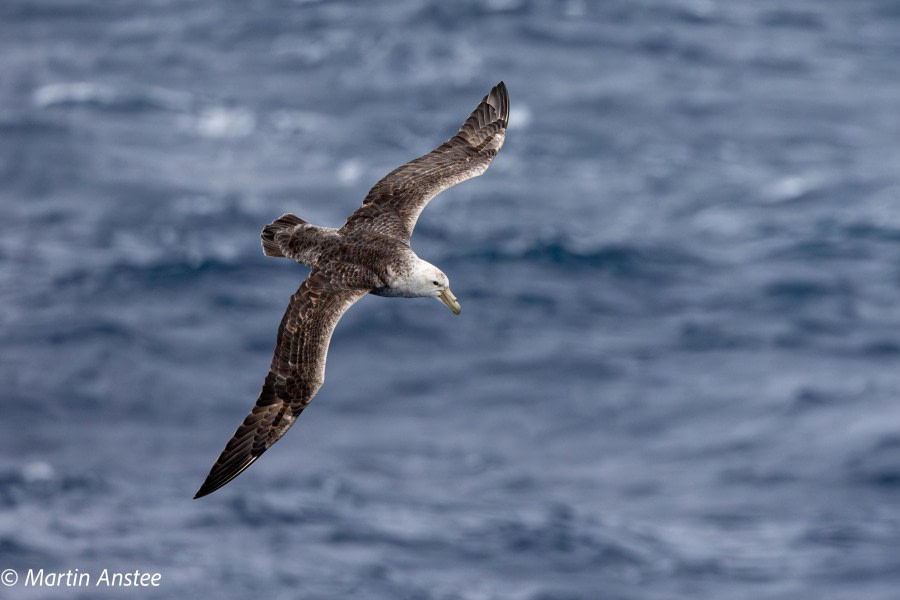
x,y
221,474
498,98
237,455
488,119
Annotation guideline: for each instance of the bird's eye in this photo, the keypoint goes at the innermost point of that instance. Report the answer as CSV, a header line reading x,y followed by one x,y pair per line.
x,y
435,283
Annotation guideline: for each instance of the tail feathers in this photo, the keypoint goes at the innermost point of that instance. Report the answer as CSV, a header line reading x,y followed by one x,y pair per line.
x,y
270,234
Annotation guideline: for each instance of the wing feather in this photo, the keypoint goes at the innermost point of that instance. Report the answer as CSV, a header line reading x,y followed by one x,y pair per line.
x,y
394,204
296,373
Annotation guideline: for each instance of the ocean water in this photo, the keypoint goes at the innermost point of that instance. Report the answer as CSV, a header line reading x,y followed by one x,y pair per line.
x,y
677,370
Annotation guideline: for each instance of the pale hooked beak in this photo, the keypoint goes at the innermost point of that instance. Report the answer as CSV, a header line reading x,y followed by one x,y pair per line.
x,y
449,299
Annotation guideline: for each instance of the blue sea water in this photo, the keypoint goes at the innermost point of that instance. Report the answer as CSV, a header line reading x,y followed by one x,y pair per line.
x,y
677,370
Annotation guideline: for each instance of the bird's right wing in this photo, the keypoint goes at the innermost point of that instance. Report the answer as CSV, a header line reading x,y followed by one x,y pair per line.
x,y
297,372
393,206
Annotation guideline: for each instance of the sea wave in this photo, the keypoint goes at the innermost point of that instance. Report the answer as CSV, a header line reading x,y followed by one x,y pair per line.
x,y
87,94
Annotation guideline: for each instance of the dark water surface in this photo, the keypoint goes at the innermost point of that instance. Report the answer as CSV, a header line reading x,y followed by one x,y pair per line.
x,y
675,375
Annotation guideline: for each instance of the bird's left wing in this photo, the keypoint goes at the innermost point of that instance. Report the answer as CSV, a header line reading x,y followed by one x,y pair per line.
x,y
297,372
393,206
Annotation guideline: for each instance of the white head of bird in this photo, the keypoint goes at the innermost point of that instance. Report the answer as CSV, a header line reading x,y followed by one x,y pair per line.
x,y
427,281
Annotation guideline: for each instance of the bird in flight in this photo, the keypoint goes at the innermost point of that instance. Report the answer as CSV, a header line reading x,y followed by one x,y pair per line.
x,y
370,254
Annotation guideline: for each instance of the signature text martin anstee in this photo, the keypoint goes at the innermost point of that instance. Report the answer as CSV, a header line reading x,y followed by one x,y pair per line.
x,y
76,578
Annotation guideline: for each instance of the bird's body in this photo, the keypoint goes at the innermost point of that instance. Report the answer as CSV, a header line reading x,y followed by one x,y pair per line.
x,y
371,253
376,261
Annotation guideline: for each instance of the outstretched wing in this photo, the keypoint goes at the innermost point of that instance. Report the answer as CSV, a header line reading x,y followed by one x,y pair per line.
x,y
297,372
394,204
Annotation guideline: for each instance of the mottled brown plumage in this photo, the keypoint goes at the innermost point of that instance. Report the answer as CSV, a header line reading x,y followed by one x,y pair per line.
x,y
394,204
369,254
